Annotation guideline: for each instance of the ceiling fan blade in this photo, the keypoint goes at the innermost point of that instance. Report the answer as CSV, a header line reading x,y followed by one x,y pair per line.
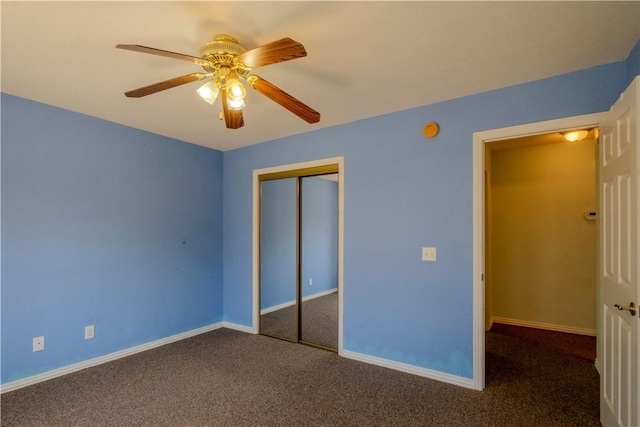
x,y
160,52
167,84
232,118
272,53
276,94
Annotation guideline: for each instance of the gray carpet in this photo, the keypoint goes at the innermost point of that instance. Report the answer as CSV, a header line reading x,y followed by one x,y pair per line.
x,y
229,378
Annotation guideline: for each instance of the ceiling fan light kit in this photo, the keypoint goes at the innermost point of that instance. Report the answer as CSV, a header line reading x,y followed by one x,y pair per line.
x,y
225,63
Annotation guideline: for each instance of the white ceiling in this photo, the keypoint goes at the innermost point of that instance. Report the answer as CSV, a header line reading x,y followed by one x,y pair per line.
x,y
365,59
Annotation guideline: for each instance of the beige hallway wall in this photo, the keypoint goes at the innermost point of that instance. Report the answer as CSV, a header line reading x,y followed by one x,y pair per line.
x,y
543,251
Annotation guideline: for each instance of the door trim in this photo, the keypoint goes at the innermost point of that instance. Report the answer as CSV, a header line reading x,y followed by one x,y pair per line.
x,y
479,139
290,170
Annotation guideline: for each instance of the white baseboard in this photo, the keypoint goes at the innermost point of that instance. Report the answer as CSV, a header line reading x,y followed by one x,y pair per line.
x,y
239,327
277,307
34,379
547,326
290,303
410,369
398,366
320,294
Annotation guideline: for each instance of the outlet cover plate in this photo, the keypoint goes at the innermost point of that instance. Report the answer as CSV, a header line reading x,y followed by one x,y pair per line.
x,y
38,343
429,254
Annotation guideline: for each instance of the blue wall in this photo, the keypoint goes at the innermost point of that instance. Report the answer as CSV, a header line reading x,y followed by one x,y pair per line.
x,y
633,63
102,225
402,192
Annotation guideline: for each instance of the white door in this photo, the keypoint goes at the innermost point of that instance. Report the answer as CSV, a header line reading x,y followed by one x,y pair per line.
x,y
618,260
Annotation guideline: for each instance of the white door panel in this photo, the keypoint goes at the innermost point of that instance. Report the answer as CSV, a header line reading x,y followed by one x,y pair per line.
x,y
619,329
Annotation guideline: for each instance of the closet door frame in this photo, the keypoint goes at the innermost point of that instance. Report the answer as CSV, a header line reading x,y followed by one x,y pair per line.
x,y
298,170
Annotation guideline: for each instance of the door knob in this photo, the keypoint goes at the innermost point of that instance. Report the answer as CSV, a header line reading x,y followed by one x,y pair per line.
x,y
631,307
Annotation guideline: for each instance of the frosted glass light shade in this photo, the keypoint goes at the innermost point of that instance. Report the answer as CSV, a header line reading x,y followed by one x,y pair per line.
x,y
575,135
235,104
209,92
235,90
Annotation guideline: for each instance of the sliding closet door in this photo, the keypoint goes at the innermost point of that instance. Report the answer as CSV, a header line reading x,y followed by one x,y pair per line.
x,y
298,255
319,260
278,258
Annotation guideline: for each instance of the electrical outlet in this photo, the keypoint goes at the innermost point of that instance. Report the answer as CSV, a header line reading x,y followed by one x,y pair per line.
x,y
429,254
310,282
38,343
88,332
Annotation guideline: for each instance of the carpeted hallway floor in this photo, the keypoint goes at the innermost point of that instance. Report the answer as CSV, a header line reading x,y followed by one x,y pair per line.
x,y
229,378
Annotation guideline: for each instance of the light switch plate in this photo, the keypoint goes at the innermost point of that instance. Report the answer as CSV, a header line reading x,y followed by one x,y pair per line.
x,y
88,332
428,254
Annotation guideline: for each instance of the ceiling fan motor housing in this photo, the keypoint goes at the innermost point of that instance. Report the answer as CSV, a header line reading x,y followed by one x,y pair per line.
x,y
221,53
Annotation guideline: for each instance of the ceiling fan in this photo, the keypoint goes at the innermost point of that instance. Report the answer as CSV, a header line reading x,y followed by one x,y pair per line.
x,y
225,63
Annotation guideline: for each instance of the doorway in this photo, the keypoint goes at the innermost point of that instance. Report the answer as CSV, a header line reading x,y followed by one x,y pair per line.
x,y
540,229
298,223
479,220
